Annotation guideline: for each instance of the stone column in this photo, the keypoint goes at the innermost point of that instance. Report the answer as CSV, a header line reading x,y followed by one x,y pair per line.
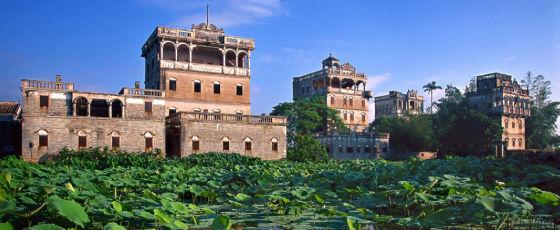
x,y
111,109
89,109
176,50
236,59
248,61
223,57
74,109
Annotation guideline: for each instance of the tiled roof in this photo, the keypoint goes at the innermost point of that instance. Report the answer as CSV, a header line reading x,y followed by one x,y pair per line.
x,y
9,107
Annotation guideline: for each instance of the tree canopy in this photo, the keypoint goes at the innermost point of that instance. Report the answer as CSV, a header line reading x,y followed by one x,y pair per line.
x,y
540,129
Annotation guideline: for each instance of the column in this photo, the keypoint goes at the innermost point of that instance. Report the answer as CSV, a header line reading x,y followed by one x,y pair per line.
x,y
88,109
74,109
176,50
249,61
111,109
223,57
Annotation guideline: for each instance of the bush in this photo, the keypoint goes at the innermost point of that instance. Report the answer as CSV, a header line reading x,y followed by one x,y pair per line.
x,y
307,149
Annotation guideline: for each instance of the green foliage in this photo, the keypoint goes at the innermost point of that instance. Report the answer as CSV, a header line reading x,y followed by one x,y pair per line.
x,y
307,149
308,116
430,88
411,133
455,120
217,190
540,129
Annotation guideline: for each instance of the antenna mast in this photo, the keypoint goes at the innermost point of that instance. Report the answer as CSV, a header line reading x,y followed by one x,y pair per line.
x,y
207,25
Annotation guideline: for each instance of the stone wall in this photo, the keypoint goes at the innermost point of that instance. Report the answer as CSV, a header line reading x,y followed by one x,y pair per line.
x,y
211,134
350,146
63,132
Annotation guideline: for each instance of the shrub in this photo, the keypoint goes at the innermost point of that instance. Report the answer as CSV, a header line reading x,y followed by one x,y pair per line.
x,y
307,149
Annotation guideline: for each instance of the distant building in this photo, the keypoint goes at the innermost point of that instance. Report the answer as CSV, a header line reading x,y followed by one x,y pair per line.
x,y
196,100
497,95
396,104
344,89
341,87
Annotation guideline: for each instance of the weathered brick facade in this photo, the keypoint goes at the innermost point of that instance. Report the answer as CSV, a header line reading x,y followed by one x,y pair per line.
x,y
200,72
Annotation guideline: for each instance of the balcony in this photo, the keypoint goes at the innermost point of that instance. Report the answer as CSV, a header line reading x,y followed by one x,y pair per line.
x,y
233,118
142,92
347,91
167,64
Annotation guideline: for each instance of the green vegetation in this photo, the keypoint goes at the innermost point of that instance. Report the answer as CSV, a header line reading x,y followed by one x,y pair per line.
x,y
308,116
95,189
443,131
541,126
307,149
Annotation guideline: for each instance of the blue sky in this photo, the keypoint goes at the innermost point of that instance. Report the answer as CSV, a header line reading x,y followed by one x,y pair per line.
x,y
400,45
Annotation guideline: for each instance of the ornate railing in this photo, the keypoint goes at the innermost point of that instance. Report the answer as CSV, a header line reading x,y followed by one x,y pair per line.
x,y
251,119
143,92
204,68
52,85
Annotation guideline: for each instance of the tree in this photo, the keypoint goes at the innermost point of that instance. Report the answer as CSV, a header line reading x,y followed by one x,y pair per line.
x,y
460,129
307,149
430,88
540,128
308,116
410,133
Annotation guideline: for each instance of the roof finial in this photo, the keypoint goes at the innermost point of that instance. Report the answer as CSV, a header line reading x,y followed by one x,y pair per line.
x,y
330,54
207,25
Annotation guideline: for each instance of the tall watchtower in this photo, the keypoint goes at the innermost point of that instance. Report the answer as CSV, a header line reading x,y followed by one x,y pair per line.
x,y
342,87
201,69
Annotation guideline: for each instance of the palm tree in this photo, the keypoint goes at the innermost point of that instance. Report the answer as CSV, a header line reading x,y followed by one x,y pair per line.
x,y
430,88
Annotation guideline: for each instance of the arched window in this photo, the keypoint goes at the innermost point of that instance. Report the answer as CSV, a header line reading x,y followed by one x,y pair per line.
x,y
520,124
344,101
116,108
506,122
363,117
239,90
513,142
207,55
345,115
43,138
82,140
230,58
274,145
520,142
197,86
195,143
242,60
513,124
172,84
183,53
149,139
351,101
332,100
115,140
225,144
248,145
169,51
351,116
217,88
335,82
172,110
81,106
507,142
99,108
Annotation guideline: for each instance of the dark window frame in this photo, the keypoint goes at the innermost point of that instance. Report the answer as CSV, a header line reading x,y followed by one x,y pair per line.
x,y
217,88
115,142
149,144
225,145
44,101
172,85
197,86
148,108
43,141
195,145
82,142
248,146
239,90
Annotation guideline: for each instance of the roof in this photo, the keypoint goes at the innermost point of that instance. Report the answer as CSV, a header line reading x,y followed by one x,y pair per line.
x,y
7,107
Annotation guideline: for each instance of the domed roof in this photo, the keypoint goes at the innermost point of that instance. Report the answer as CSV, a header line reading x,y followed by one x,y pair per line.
x,y
331,61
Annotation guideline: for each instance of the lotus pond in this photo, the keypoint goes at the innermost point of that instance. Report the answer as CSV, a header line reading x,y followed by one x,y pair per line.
x,y
95,189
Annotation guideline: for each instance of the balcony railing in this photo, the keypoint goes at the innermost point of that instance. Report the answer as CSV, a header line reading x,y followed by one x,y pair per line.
x,y
51,85
346,91
236,118
204,68
143,92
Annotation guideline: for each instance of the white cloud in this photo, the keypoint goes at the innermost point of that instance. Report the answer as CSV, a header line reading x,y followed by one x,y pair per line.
x,y
222,13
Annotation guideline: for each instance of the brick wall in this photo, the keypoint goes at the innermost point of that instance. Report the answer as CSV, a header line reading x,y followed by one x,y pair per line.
x,y
63,132
211,134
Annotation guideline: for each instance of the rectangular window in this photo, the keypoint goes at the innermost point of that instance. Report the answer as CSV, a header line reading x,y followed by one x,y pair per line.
x,y
195,145
172,85
239,90
82,142
363,118
149,144
115,142
44,101
332,100
367,149
339,149
43,141
351,102
351,117
275,146
343,101
225,145
197,87
345,116
349,149
148,108
363,103
247,146
172,111
216,88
